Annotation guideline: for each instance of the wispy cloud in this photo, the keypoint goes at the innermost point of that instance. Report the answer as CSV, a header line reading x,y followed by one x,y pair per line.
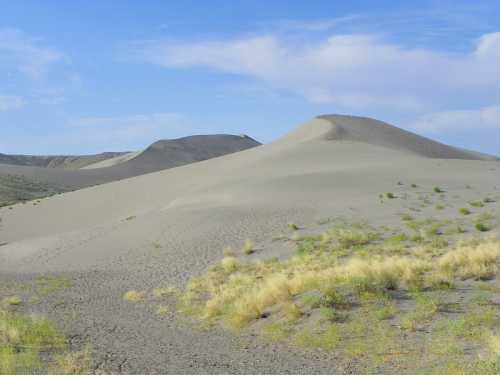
x,y
350,71
323,24
25,54
98,134
10,103
487,118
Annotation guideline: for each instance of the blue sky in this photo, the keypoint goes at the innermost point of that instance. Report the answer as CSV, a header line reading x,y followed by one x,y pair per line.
x,y
92,76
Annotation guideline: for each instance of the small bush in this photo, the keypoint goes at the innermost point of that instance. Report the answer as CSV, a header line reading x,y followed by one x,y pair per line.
x,y
293,226
229,264
390,195
464,211
12,301
476,204
437,189
248,247
481,227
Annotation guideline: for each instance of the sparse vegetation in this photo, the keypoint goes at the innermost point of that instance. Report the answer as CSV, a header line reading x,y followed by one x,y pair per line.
x,y
340,292
16,188
437,189
26,341
390,195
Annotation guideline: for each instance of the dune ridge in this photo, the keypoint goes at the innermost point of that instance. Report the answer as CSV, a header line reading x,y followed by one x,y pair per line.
x,y
378,133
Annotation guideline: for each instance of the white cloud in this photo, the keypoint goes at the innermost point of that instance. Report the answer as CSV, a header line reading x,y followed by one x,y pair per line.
x,y
487,118
24,54
351,71
9,103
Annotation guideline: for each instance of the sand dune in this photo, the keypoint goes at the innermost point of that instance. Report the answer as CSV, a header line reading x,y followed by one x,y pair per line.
x,y
113,161
165,227
160,155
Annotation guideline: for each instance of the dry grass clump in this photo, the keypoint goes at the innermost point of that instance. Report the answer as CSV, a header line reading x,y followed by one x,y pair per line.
x,y
134,296
385,273
12,301
229,264
471,261
164,292
494,342
248,247
464,211
345,237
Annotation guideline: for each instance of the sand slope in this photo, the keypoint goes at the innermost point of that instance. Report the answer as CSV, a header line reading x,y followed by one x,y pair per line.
x,y
162,228
160,155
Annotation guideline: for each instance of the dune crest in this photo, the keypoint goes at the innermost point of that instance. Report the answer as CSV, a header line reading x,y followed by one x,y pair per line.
x,y
378,133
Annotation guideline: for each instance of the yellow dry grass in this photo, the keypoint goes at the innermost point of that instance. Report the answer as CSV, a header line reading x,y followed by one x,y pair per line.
x,y
134,296
242,293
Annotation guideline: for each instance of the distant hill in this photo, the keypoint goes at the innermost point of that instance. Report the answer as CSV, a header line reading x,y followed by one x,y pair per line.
x,y
57,161
45,175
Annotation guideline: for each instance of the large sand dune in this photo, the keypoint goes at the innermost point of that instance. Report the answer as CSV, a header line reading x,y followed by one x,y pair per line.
x,y
163,228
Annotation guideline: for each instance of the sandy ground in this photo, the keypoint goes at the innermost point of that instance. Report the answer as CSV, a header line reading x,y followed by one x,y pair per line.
x,y
161,229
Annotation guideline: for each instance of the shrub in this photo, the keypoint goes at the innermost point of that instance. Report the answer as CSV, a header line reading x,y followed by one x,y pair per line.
x,y
437,189
481,227
464,211
390,195
346,238
229,264
248,247
476,204
12,301
293,226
